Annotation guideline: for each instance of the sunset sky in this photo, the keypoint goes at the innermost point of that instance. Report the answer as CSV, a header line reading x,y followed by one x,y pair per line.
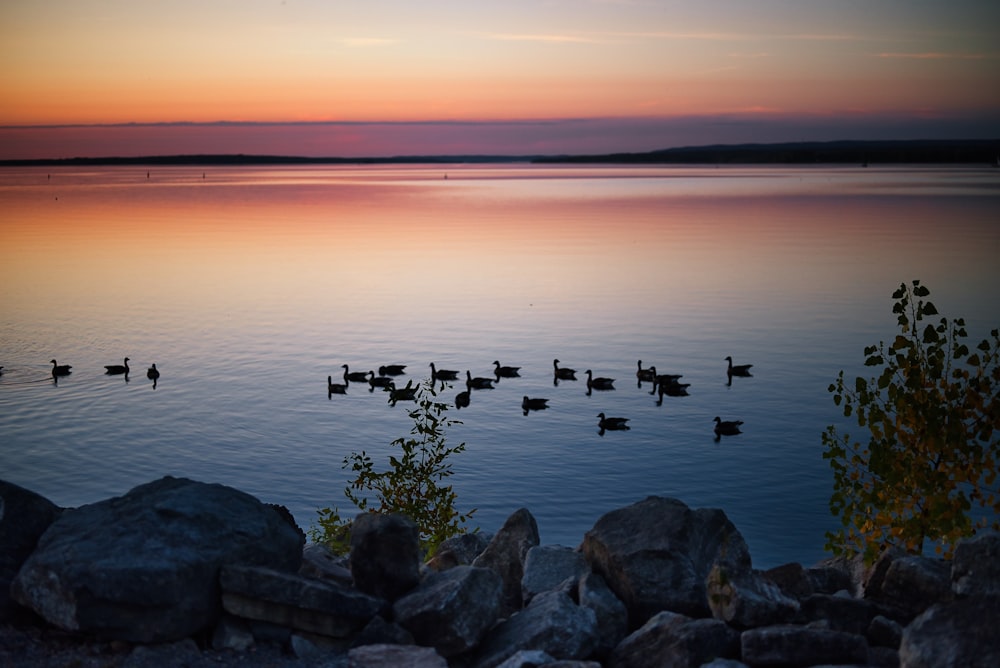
x,y
385,77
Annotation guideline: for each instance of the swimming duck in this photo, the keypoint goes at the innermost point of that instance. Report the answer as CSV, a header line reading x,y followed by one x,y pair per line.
x,y
737,369
152,372
506,371
112,369
563,373
354,376
645,374
478,383
533,404
392,370
378,381
462,399
443,374
599,383
612,423
334,388
60,369
727,427
407,393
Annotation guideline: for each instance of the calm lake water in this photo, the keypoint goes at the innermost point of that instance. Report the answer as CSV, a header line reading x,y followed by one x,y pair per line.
x,y
249,286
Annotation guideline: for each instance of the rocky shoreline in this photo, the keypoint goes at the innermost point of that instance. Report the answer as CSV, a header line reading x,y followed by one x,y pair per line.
x,y
183,573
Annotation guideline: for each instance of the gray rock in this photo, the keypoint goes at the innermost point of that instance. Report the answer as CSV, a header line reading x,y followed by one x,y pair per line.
x,y
840,613
24,517
911,584
385,554
452,610
829,579
673,639
232,633
612,617
506,554
528,658
552,623
296,602
320,563
548,566
460,550
144,567
962,633
656,554
884,632
792,579
180,653
746,600
975,568
801,646
395,656
380,632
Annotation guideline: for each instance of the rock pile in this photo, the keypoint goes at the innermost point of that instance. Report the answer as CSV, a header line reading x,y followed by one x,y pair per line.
x,y
652,584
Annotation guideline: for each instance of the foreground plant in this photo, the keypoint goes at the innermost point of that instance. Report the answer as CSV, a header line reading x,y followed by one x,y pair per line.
x,y
411,486
931,457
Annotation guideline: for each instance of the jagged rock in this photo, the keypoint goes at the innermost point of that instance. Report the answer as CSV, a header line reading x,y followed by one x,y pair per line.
x,y
884,632
385,554
296,602
801,646
528,658
792,579
612,617
911,584
232,633
506,554
975,568
320,563
962,633
552,623
144,567
394,656
547,566
840,613
452,610
656,554
828,579
380,632
460,550
24,517
672,639
747,600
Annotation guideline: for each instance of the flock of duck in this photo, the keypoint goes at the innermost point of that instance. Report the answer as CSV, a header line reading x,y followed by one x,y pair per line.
x,y
665,384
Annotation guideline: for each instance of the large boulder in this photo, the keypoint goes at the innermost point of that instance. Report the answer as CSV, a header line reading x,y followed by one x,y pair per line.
x,y
451,610
748,599
656,555
385,554
672,639
144,567
506,554
801,646
949,635
24,517
976,566
548,566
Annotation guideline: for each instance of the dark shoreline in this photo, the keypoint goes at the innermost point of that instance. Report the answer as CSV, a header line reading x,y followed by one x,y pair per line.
x,y
984,152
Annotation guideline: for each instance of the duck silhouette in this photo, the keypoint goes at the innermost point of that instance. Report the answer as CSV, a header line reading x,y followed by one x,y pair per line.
x,y
392,370
462,399
378,381
563,373
333,388
727,427
60,369
599,383
354,376
477,383
115,369
408,393
737,369
443,374
506,371
645,374
152,372
612,423
533,404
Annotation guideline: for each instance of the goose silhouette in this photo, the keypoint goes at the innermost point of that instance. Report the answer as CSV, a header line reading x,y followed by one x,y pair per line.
x,y
407,393
60,369
599,383
563,373
477,383
392,370
612,423
462,399
378,381
506,371
354,376
113,369
533,404
737,369
443,374
645,374
727,427
333,388
152,372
